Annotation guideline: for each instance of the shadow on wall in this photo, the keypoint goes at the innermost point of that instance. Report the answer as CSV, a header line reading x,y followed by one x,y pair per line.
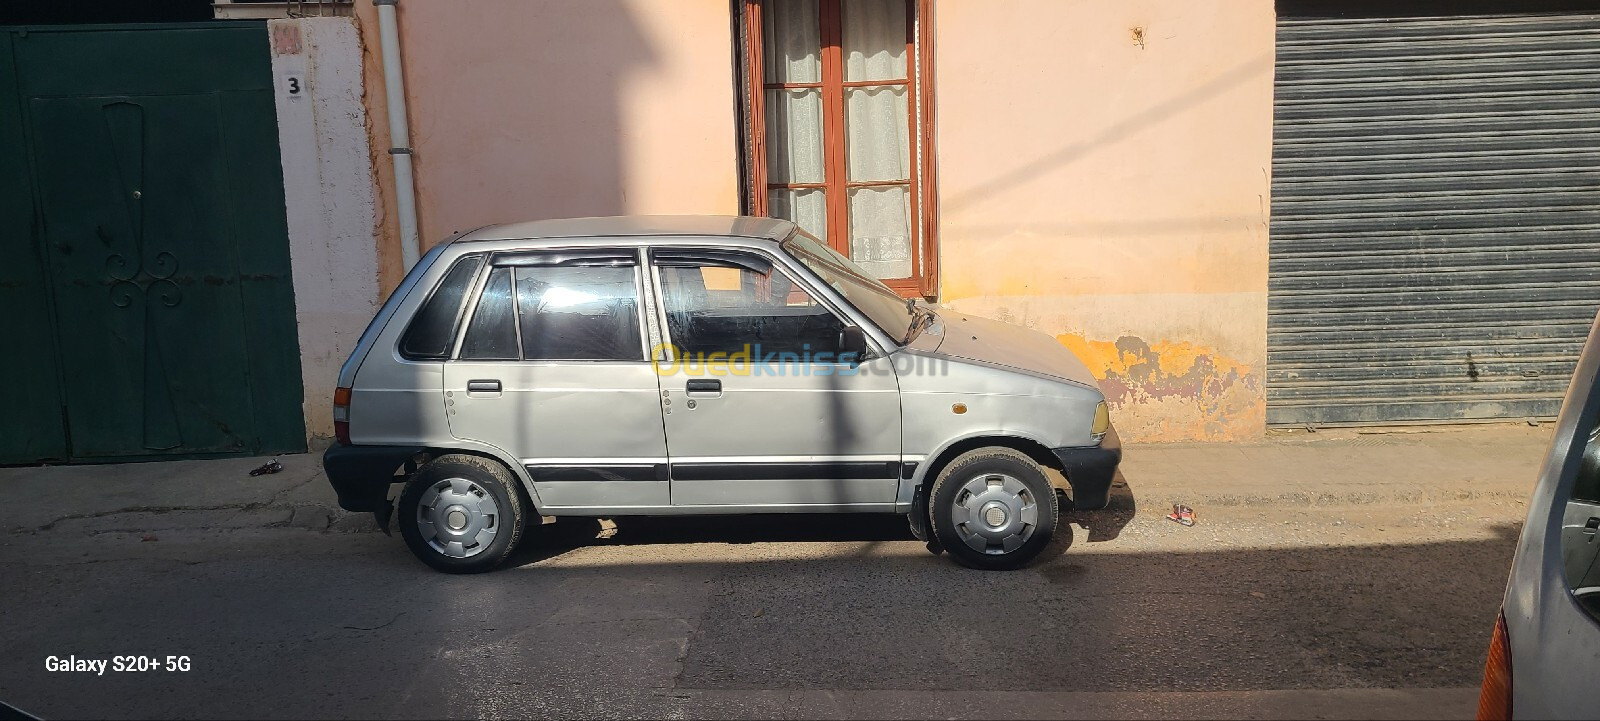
x,y
1173,391
519,109
1160,388
1212,620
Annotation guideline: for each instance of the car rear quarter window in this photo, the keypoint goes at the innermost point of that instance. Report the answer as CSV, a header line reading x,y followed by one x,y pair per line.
x,y
434,326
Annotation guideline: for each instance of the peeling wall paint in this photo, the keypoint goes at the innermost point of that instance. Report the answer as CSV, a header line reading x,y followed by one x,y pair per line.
x,y
1173,391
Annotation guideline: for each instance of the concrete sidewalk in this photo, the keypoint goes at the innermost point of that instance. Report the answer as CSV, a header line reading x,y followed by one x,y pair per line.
x,y
1331,467
1346,466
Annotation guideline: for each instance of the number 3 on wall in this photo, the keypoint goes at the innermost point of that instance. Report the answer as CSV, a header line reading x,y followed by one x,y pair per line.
x,y
291,85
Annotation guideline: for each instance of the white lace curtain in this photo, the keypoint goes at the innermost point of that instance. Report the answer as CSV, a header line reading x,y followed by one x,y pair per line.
x,y
876,122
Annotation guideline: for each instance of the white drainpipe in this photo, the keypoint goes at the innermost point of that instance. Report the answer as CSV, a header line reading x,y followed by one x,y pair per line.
x,y
394,89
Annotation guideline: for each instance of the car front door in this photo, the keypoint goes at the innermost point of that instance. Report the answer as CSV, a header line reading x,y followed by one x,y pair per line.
x,y
760,410
552,368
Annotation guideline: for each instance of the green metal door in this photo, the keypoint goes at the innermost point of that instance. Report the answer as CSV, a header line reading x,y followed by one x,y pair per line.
x,y
159,232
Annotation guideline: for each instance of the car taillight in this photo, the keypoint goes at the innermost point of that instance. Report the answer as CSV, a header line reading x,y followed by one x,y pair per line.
x,y
341,416
1494,699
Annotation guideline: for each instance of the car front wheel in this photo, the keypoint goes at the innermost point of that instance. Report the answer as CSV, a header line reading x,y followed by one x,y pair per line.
x,y
461,514
993,509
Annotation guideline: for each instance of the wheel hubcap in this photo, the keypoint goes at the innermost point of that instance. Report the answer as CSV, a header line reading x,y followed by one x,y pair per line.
x,y
994,514
458,518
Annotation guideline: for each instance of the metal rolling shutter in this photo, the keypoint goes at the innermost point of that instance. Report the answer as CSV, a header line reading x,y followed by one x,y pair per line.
x,y
1435,233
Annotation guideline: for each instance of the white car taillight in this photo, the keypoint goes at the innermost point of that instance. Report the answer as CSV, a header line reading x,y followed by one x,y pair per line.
x,y
341,416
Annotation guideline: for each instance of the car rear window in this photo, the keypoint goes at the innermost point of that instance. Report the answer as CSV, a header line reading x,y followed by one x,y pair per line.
x,y
434,326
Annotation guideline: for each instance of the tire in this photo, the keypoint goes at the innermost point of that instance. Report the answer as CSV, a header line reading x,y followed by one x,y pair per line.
x,y
478,494
993,484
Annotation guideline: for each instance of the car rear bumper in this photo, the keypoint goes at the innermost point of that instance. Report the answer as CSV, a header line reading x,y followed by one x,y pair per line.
x,y
361,475
1090,470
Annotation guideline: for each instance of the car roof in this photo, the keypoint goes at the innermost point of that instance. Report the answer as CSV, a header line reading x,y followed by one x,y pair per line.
x,y
637,225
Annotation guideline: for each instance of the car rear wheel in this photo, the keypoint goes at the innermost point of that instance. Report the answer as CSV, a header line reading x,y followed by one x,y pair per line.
x,y
461,514
993,509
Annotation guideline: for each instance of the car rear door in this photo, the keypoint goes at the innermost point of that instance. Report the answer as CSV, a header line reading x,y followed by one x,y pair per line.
x,y
759,408
551,367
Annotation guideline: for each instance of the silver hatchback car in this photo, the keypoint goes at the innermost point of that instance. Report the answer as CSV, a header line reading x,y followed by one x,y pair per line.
x,y
701,365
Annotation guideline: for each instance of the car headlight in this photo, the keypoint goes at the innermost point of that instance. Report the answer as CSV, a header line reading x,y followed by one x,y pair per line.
x,y
1102,420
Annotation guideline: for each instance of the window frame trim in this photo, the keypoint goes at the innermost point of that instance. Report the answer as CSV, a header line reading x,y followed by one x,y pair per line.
x,y
919,82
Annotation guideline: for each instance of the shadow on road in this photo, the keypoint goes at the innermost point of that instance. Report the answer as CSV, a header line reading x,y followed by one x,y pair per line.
x,y
549,541
1107,523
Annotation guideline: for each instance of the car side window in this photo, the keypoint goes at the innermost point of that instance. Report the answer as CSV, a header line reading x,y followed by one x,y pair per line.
x,y
547,306
1587,487
580,312
433,328
716,306
1580,529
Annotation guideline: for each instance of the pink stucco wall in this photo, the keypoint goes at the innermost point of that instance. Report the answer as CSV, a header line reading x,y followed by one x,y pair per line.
x,y
1103,177
527,109
1104,165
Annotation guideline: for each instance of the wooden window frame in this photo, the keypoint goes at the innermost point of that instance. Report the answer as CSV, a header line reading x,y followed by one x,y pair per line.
x,y
920,111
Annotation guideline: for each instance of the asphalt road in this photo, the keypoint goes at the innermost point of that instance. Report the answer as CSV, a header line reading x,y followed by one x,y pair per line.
x,y
1346,612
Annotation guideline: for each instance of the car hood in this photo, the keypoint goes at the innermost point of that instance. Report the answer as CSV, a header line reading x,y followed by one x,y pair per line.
x,y
970,337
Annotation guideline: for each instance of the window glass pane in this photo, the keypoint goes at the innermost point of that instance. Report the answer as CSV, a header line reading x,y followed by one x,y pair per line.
x,y
794,136
791,41
880,230
492,335
874,39
886,309
807,207
877,133
765,310
434,328
1580,542
579,313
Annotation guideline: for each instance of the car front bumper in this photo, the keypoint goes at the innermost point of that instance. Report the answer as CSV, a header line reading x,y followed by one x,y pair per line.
x,y
361,475
1090,469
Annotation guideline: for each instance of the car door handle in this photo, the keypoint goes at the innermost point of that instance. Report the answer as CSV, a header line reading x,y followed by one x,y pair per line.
x,y
709,386
483,386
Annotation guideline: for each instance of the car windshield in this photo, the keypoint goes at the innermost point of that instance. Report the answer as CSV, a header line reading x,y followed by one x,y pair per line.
x,y
883,306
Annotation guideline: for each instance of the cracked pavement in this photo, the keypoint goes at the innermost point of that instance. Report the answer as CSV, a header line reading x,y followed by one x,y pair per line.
x,y
1295,594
